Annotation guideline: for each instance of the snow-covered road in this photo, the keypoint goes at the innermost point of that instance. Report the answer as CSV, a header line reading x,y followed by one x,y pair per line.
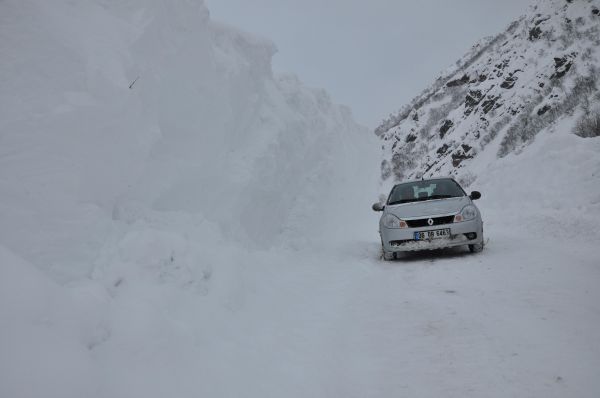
x,y
519,319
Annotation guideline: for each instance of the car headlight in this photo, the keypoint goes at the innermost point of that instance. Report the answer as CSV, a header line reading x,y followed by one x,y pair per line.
x,y
468,212
391,221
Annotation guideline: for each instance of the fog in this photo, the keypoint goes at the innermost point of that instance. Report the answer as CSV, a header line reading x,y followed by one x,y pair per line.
x,y
372,56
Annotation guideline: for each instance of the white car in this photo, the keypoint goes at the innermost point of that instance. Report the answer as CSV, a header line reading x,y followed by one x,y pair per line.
x,y
429,214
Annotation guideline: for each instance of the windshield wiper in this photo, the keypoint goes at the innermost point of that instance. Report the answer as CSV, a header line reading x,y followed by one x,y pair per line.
x,y
441,196
397,202
435,197
432,197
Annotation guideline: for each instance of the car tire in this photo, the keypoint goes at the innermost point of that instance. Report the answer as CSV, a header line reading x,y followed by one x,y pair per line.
x,y
389,256
476,248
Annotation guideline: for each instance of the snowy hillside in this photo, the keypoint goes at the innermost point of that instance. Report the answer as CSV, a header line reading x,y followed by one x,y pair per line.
x,y
504,92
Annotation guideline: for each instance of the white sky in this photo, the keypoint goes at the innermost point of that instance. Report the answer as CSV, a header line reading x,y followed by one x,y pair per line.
x,y
373,56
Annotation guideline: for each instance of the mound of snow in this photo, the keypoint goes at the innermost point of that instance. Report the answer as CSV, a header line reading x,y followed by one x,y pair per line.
x,y
146,151
112,106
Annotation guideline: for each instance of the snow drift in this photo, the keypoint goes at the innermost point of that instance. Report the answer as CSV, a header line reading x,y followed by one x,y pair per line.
x,y
109,108
144,148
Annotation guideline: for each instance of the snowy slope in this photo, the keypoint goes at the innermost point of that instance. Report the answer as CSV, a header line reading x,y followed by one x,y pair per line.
x,y
503,93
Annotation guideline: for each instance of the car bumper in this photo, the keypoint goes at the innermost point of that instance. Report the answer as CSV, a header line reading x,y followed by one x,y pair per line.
x,y
401,240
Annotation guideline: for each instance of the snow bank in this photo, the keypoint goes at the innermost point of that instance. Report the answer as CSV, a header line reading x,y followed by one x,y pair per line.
x,y
551,189
108,105
146,151
44,338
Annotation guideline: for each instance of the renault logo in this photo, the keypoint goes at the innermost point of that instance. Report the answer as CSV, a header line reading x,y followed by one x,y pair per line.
x,y
430,221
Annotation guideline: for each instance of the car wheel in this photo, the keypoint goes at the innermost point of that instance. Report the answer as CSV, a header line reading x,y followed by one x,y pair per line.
x,y
389,256
477,247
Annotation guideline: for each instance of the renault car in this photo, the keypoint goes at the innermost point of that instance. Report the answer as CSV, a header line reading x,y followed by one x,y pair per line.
x,y
429,214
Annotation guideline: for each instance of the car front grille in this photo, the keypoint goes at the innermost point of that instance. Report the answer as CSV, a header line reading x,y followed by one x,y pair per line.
x,y
424,222
396,243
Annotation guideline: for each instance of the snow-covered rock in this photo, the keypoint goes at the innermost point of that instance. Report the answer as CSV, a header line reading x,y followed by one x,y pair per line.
x,y
497,98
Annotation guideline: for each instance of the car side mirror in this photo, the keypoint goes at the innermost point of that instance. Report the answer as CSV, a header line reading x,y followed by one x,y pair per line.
x,y
377,207
475,195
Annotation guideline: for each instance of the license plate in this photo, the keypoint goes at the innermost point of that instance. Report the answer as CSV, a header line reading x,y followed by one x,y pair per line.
x,y
435,234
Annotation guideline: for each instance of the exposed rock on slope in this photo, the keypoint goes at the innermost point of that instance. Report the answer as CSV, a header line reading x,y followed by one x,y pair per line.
x,y
500,95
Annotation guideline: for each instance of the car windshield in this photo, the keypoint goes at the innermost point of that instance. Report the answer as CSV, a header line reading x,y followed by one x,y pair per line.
x,y
425,190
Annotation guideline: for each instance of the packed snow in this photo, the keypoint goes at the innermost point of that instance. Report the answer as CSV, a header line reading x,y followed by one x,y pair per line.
x,y
208,231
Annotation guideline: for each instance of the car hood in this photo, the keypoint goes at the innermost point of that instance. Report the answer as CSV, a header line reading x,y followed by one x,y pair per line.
x,y
428,208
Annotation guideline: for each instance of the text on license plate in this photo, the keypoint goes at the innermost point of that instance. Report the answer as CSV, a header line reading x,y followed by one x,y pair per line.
x,y
435,234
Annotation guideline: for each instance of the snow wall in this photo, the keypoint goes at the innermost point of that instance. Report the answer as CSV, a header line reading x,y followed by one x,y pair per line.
x,y
112,110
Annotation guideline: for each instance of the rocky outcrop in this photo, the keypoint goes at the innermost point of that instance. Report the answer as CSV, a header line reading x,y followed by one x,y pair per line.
x,y
505,90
